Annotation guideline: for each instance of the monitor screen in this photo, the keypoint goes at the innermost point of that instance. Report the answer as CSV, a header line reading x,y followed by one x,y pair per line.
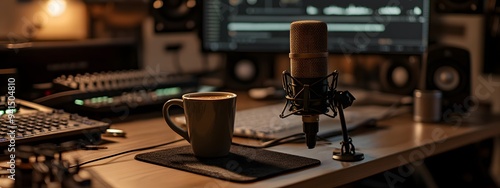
x,y
354,26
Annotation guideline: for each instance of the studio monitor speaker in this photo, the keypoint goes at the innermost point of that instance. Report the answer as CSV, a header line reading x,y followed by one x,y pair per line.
x,y
171,41
393,74
448,69
399,74
248,70
175,15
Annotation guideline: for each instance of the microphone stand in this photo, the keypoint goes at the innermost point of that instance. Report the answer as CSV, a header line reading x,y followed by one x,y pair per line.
x,y
347,150
337,101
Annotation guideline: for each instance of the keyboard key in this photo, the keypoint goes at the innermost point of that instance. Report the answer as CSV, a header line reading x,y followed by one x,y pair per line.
x,y
38,127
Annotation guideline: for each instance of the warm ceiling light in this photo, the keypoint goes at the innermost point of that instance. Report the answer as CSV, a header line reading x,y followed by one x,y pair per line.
x,y
56,7
191,3
158,4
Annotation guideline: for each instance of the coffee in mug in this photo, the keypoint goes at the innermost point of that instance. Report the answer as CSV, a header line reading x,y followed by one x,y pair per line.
x,y
209,120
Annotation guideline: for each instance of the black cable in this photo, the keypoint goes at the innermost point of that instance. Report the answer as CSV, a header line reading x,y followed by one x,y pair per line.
x,y
274,142
124,152
58,95
284,140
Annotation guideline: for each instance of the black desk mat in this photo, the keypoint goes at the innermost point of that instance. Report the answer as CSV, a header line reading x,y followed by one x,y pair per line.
x,y
243,164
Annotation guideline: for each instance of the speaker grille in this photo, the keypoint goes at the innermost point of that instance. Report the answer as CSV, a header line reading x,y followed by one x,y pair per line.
x,y
448,70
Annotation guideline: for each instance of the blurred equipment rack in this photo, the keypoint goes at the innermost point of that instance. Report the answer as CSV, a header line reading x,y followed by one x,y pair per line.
x,y
117,93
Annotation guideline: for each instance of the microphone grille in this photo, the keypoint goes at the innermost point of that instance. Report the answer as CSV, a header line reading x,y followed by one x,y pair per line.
x,y
308,36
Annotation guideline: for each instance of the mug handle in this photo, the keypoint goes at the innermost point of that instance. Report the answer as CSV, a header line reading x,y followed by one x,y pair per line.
x,y
170,123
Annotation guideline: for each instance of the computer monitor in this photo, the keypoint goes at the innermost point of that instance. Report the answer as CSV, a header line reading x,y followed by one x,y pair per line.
x,y
354,26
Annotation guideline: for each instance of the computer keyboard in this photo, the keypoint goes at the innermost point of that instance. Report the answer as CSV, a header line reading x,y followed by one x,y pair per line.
x,y
35,124
264,122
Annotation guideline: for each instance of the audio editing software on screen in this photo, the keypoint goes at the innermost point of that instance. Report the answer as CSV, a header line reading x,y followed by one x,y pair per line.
x,y
354,26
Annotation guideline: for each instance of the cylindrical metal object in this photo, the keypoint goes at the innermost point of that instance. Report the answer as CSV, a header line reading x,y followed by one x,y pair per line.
x,y
427,105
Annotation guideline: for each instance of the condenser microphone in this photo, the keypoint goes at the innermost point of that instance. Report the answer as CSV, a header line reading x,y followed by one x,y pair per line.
x,y
308,66
308,92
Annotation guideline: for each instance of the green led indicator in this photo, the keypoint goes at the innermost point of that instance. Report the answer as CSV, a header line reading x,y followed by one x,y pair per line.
x,y
168,91
11,111
79,102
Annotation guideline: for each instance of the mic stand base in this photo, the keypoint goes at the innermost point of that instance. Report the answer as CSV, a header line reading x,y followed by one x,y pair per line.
x,y
348,157
347,150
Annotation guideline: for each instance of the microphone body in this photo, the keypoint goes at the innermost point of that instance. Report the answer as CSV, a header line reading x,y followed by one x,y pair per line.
x,y
309,67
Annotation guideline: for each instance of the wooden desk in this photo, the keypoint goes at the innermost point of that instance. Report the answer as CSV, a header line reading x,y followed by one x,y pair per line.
x,y
397,141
